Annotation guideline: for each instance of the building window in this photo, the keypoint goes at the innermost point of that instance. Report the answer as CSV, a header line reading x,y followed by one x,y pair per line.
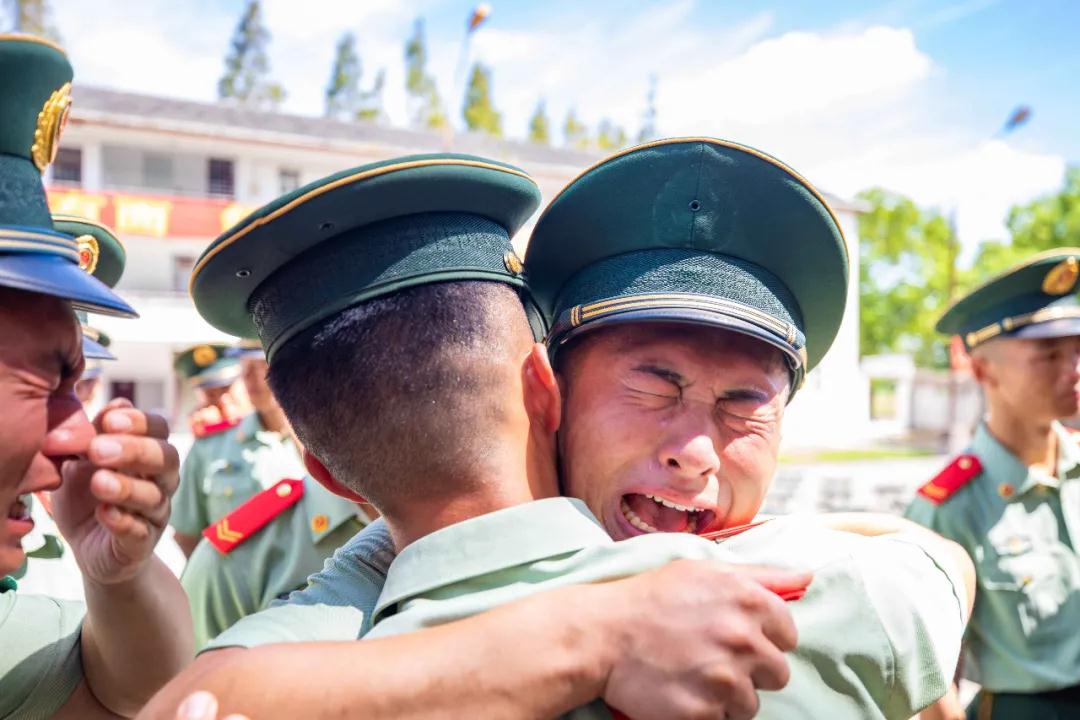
x,y
288,180
220,180
157,171
67,168
182,265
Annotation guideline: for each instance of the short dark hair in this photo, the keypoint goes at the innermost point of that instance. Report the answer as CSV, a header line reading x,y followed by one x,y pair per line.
x,y
401,396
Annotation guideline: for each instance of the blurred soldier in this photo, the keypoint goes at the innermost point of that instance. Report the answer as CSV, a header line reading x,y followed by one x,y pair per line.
x,y
233,458
1013,498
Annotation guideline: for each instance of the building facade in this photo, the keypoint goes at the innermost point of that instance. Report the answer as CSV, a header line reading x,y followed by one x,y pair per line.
x,y
170,175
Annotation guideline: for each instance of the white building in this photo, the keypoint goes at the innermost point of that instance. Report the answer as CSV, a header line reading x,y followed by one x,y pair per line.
x,y
169,175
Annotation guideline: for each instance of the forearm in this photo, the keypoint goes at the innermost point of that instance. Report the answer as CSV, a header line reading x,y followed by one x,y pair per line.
x,y
947,708
537,658
187,543
137,635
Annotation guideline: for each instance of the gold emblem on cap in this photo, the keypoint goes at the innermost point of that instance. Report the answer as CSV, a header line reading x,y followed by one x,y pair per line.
x,y
1062,277
89,252
50,123
319,523
512,262
204,355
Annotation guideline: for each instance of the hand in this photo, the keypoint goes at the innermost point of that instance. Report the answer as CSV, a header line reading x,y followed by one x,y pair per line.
x,y
202,706
700,638
114,501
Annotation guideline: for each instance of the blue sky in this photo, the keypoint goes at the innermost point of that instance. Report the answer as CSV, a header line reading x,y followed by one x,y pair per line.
x,y
903,93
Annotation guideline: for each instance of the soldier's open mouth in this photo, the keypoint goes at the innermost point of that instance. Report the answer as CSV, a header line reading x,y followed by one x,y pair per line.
x,y
652,513
20,509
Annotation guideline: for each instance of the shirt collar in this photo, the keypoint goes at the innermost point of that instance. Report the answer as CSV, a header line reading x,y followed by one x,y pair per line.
x,y
505,538
1004,469
326,512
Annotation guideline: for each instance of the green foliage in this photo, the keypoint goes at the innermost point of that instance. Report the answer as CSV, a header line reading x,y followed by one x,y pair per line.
x,y
344,97
425,106
575,134
539,127
906,277
247,69
610,136
648,118
33,17
479,112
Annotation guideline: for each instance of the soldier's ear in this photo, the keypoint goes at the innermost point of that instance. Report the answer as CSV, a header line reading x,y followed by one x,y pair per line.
x,y
543,399
318,471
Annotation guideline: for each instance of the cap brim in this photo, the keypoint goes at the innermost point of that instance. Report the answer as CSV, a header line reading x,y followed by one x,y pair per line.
x,y
1062,327
59,277
93,350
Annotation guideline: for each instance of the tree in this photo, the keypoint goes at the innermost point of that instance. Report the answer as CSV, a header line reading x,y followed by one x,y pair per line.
x,y
345,99
425,106
575,134
610,136
33,17
539,127
479,112
247,69
905,277
648,118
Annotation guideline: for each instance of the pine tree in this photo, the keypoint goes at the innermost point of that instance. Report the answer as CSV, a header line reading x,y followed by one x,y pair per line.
x,y
648,118
575,134
247,68
479,113
539,127
610,136
343,91
425,106
33,17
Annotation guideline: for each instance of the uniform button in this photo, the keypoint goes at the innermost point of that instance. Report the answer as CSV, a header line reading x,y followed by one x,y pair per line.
x,y
228,491
964,463
284,490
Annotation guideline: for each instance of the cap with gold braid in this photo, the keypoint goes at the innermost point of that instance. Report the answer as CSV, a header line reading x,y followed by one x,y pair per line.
x,y
208,366
361,234
102,255
693,230
1035,299
35,88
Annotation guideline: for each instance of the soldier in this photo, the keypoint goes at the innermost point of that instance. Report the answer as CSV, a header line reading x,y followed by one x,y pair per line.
x,y
1012,499
66,659
443,448
234,458
268,546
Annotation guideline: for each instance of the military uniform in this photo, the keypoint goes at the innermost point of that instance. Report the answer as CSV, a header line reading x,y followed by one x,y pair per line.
x,y
40,663
1019,524
228,465
263,550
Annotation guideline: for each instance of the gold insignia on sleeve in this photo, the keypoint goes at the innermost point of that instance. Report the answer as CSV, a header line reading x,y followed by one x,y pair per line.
x,y
512,262
204,355
1062,277
89,252
50,124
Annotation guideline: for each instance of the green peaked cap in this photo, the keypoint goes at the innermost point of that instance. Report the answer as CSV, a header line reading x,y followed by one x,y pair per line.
x,y
208,365
360,234
1034,299
102,255
693,230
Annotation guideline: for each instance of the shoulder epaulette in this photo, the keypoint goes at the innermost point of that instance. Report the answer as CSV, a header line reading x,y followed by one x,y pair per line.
x,y
201,430
243,522
956,475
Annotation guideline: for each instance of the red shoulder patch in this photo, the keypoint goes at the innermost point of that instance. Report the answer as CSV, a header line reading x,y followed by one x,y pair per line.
x,y
243,522
956,475
200,429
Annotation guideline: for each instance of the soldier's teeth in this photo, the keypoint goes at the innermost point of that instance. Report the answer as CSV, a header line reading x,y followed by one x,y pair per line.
x,y
633,519
672,505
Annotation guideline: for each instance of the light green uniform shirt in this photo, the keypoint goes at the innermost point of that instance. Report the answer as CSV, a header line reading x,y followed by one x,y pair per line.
x,y
879,629
276,560
223,470
40,660
1019,526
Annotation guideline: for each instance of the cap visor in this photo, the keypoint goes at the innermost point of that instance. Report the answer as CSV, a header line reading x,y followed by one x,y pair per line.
x,y
93,350
1062,327
59,277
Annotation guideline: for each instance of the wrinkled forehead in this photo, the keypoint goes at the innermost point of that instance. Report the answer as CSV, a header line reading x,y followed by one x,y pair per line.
x,y
710,348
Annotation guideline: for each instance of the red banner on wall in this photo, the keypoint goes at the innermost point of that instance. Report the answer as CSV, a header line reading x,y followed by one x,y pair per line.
x,y
150,215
